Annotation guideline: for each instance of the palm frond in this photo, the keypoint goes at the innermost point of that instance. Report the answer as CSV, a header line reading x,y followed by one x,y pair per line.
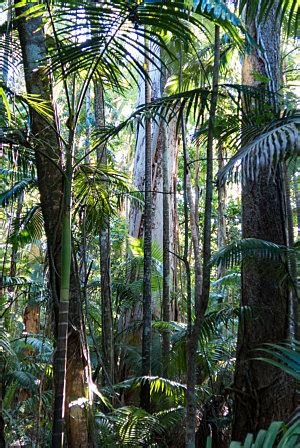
x,y
218,12
192,102
100,190
110,31
285,8
42,346
5,345
170,417
158,385
8,281
230,280
276,142
30,100
234,253
29,228
16,190
23,379
135,426
268,438
287,357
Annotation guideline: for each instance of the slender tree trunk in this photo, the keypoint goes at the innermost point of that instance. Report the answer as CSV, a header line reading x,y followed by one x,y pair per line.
x,y
147,292
106,299
166,242
51,188
297,201
201,299
263,393
2,368
60,359
221,209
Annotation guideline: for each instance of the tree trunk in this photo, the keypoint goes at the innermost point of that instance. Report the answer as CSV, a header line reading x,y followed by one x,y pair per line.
x,y
136,218
161,138
106,299
297,200
50,181
221,209
2,368
263,393
147,289
60,356
202,297
166,241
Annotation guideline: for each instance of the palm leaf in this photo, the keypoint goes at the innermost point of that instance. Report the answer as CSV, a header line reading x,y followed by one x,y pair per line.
x,y
100,190
158,385
16,190
234,253
29,228
289,9
230,280
109,31
276,142
5,346
287,357
267,438
193,103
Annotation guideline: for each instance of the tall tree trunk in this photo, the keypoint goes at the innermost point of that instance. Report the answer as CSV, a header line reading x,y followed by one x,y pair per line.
x,y
221,209
166,241
263,393
147,290
60,357
51,188
136,218
296,183
162,138
106,299
202,297
2,368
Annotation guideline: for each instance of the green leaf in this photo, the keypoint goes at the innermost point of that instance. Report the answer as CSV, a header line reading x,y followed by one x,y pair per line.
x,y
236,252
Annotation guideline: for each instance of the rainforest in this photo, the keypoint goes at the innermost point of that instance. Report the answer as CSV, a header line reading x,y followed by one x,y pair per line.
x,y
149,223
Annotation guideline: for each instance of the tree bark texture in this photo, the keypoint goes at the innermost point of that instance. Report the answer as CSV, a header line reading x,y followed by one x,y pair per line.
x,y
147,288
262,393
50,181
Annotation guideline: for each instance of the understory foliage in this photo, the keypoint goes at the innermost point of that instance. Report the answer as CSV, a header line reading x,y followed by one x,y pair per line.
x,y
108,46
